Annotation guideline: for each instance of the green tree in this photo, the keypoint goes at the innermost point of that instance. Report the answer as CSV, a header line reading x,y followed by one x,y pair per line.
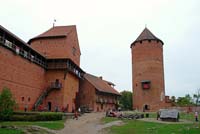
x,y
126,100
197,97
173,98
7,104
185,101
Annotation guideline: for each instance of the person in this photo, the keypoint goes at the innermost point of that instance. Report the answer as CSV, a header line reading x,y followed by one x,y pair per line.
x,y
196,116
76,115
40,108
108,112
56,108
79,110
25,108
158,115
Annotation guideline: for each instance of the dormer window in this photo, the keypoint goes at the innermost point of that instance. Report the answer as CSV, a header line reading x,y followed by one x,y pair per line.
x,y
146,84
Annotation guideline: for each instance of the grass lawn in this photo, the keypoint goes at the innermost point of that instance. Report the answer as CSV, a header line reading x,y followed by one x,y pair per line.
x,y
142,127
48,124
108,119
10,131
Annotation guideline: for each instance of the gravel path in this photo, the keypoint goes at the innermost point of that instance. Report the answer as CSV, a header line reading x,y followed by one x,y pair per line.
x,y
87,124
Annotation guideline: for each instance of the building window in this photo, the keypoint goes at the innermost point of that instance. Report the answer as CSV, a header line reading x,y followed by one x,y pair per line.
x,y
74,51
22,98
101,106
146,107
29,99
146,84
162,96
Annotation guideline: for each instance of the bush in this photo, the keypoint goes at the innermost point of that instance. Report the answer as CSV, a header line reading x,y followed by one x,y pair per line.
x,y
7,104
39,116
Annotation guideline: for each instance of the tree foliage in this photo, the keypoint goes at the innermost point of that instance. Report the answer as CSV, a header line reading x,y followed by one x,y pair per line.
x,y
185,101
7,104
173,98
197,97
126,100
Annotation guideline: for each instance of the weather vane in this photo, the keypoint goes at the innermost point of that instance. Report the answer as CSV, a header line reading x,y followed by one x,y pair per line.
x,y
54,21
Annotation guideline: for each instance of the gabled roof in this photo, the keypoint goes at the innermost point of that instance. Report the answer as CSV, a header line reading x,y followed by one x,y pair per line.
x,y
100,85
146,35
57,31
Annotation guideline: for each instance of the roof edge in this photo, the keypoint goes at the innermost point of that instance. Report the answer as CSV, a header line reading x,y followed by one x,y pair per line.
x,y
132,44
39,36
46,37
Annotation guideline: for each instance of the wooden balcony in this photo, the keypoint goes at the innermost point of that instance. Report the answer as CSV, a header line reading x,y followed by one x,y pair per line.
x,y
65,64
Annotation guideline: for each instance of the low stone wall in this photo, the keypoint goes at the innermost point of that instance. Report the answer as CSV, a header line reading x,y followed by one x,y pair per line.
x,y
187,108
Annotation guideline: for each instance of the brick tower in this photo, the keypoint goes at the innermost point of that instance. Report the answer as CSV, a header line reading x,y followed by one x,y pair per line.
x,y
59,45
147,72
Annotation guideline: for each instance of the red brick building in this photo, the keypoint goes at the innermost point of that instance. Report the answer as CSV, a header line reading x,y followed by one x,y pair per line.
x,y
148,73
44,74
97,94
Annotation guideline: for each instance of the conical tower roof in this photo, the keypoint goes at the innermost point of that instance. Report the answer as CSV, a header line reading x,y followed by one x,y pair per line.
x,y
146,35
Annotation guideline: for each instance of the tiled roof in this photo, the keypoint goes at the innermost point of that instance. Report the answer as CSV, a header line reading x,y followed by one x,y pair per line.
x,y
100,85
57,31
146,35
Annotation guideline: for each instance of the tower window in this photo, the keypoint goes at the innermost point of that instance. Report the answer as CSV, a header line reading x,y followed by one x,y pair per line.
x,y
74,51
22,98
29,99
146,84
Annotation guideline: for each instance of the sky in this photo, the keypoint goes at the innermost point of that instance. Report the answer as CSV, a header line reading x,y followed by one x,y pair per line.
x,y
106,28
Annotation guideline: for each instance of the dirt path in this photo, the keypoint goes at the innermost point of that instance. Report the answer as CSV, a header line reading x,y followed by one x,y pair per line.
x,y
87,124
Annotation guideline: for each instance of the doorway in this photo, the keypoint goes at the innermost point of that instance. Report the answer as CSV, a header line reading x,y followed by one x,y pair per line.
x,y
146,107
49,106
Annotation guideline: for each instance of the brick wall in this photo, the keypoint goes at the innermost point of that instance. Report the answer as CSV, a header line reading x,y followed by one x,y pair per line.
x,y
22,77
56,96
89,97
147,64
71,86
59,47
86,94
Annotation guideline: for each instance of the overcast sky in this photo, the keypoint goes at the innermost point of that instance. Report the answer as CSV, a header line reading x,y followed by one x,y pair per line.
x,y
106,28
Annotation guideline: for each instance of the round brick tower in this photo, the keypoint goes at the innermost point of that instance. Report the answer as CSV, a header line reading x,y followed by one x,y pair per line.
x,y
147,72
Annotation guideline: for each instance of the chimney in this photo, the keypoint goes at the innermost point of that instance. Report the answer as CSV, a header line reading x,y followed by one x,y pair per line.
x,y
101,77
